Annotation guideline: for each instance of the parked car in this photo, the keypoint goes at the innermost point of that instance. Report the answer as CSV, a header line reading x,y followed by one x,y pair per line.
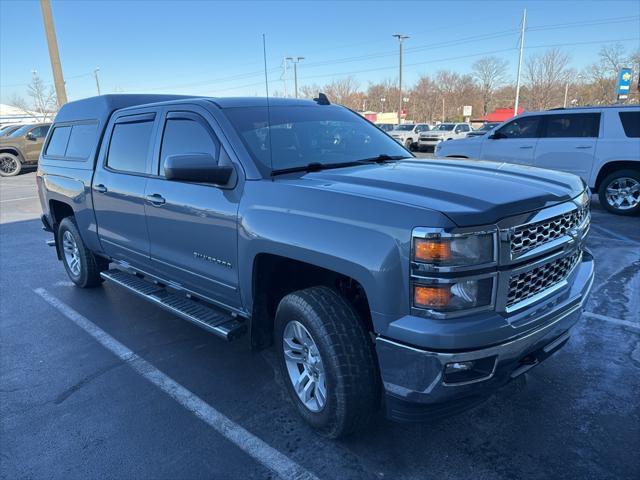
x,y
386,127
441,133
600,144
407,134
483,130
374,274
21,147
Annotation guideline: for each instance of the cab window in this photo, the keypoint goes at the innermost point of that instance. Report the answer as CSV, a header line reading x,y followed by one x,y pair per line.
x,y
524,127
129,147
182,136
572,125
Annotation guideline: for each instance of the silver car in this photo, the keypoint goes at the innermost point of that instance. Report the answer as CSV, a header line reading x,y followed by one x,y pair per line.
x,y
442,132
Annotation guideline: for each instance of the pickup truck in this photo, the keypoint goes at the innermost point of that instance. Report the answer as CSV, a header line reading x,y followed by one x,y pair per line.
x,y
379,279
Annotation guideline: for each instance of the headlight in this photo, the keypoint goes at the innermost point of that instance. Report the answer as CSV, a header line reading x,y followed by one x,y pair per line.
x,y
463,294
454,250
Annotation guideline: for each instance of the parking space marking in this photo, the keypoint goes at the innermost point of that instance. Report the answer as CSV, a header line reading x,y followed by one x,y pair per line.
x,y
268,456
17,199
617,321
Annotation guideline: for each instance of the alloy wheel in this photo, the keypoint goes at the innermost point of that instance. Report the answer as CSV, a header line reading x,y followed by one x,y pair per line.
x,y
8,164
71,253
623,193
304,365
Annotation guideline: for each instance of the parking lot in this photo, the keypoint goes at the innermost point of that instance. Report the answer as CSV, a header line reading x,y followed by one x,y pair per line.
x,y
180,403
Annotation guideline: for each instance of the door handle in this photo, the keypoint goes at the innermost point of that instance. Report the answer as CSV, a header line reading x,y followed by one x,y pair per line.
x,y
583,147
100,188
156,199
526,147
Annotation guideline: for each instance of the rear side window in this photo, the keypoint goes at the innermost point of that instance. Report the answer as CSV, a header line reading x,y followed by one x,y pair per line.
x,y
185,136
81,140
524,127
58,142
129,147
573,125
630,123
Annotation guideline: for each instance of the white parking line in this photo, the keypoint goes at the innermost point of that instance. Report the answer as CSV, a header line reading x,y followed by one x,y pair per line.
x,y
617,321
268,456
17,199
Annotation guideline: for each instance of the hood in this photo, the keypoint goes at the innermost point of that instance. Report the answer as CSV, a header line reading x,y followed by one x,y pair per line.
x,y
469,192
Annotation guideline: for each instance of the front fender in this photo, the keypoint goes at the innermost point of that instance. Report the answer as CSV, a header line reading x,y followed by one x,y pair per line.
x,y
363,238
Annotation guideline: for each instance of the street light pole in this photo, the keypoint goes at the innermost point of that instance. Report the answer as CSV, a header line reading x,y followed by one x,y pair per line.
x,y
401,39
517,102
54,55
295,61
95,74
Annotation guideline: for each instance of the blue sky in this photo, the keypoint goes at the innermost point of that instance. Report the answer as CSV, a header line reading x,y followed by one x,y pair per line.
x,y
215,48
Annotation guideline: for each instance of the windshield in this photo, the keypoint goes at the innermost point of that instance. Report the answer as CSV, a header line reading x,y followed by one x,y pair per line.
x,y
300,135
405,128
444,127
5,132
21,131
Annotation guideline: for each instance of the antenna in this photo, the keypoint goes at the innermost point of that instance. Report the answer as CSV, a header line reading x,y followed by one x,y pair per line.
x,y
266,85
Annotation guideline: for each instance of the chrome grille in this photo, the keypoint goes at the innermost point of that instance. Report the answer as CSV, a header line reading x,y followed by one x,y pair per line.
x,y
527,284
527,237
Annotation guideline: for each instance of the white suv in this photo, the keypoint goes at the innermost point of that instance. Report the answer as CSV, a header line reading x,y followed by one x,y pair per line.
x,y
600,144
407,134
441,133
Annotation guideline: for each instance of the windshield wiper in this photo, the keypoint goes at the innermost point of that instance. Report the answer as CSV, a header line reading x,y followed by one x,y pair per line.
x,y
317,166
382,158
313,167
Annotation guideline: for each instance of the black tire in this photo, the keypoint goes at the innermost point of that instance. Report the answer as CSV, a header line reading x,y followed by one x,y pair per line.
x,y
10,165
347,353
408,143
90,265
611,179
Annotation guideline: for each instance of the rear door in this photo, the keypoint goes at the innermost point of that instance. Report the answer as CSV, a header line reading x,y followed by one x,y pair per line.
x,y
119,184
193,226
568,142
514,142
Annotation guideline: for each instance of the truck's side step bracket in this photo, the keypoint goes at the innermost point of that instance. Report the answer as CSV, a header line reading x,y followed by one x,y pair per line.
x,y
210,318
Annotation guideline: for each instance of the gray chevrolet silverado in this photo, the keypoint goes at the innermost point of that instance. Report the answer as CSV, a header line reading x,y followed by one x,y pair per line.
x,y
380,280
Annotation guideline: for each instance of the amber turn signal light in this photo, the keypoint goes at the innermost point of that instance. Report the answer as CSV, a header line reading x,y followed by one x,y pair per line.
x,y
432,250
431,297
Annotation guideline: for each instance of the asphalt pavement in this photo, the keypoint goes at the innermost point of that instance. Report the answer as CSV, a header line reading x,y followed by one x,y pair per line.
x,y
100,384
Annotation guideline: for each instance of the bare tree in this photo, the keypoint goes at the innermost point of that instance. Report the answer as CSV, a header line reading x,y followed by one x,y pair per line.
x,y
42,105
545,76
490,73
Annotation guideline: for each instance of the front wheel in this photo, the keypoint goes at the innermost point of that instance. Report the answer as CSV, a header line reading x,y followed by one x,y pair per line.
x,y
327,360
408,144
82,266
10,165
619,192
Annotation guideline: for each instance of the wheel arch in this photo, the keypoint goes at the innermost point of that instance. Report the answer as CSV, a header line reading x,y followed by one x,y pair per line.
x,y
610,167
13,151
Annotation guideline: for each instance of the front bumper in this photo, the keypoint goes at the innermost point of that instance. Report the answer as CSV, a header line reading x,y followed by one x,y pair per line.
x,y
417,387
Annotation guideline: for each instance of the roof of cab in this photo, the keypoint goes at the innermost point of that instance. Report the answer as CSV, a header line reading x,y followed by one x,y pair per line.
x,y
103,106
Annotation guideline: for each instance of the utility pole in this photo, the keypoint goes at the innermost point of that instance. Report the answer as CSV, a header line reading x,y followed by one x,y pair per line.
x,y
401,38
524,23
442,109
285,64
295,61
566,93
95,74
54,55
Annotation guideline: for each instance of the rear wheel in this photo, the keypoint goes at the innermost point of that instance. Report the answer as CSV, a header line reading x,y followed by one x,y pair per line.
x,y
10,165
327,360
619,192
82,266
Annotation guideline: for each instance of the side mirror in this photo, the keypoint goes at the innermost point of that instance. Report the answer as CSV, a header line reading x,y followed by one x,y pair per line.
x,y
497,136
196,167
30,136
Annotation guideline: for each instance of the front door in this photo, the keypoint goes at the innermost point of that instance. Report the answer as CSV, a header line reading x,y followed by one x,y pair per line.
x,y
33,142
193,226
515,142
119,185
568,142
